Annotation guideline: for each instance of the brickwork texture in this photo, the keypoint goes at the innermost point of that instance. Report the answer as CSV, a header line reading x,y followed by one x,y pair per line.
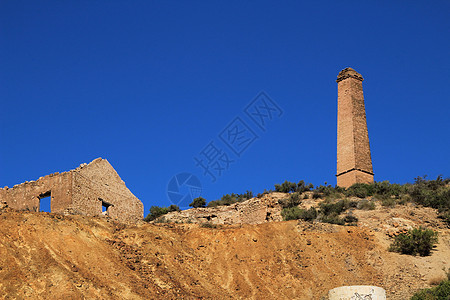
x,y
354,162
92,189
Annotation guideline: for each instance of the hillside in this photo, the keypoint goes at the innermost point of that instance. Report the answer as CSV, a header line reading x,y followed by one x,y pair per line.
x,y
50,256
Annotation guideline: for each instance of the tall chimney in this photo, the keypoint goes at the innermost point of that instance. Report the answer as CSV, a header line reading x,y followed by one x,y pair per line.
x,y
354,163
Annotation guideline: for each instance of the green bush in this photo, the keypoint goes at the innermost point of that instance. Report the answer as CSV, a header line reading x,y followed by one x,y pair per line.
x,y
440,292
330,192
330,212
232,198
366,205
431,193
288,187
226,200
316,195
405,198
328,208
198,202
309,214
416,241
259,195
295,213
333,218
293,200
360,190
388,202
291,213
445,216
157,211
303,187
350,219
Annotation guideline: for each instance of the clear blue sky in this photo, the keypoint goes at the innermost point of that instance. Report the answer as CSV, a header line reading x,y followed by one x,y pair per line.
x,y
148,85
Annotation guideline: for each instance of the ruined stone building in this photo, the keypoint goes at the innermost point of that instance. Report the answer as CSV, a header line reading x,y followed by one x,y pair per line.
x,y
91,189
354,162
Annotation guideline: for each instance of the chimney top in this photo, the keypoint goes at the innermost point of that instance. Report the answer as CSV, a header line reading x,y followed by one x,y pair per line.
x,y
349,73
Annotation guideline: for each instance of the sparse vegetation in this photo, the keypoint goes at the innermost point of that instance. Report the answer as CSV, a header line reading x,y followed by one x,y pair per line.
x,y
309,214
329,192
432,193
162,220
382,189
259,195
316,195
327,208
388,202
330,211
296,213
208,225
442,291
416,241
232,198
333,219
157,211
365,205
198,202
350,219
291,201
291,213
289,187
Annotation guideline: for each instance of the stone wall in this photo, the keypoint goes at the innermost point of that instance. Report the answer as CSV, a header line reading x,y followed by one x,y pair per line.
x,y
26,196
253,211
84,190
354,162
99,183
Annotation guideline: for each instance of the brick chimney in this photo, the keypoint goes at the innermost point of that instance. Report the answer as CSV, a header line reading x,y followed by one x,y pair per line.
x,y
354,163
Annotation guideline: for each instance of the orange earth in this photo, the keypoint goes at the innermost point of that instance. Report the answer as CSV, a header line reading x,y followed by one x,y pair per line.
x,y
50,256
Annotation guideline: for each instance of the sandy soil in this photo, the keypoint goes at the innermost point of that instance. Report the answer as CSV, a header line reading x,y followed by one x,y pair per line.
x,y
49,256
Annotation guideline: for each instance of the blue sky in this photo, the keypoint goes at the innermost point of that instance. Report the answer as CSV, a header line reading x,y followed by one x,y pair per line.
x,y
148,85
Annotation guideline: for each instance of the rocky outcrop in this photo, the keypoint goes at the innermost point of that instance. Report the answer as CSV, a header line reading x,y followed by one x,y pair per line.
x,y
252,211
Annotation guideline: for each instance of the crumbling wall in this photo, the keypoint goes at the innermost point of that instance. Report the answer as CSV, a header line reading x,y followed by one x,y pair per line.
x,y
252,211
83,190
25,196
98,183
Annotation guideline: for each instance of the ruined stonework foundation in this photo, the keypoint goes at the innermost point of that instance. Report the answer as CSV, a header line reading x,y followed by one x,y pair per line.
x,y
91,189
354,162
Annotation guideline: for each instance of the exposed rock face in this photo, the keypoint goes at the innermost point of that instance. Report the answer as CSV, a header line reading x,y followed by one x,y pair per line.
x,y
91,189
252,211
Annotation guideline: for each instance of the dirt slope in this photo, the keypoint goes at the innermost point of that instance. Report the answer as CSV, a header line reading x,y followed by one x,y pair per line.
x,y
48,256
